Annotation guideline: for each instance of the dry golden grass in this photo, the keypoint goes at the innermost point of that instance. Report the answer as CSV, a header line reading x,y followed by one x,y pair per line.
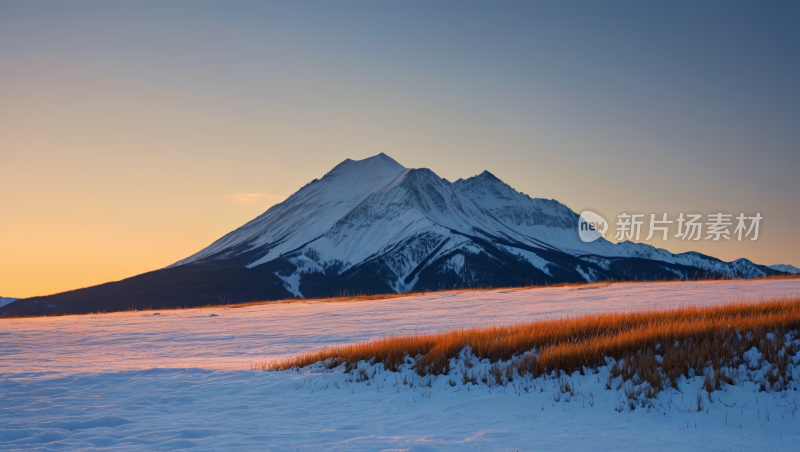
x,y
344,297
367,297
706,336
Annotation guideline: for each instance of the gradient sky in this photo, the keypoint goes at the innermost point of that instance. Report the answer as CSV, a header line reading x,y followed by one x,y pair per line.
x,y
132,135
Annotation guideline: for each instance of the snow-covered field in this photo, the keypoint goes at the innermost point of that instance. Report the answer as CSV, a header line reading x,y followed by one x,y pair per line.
x,y
181,379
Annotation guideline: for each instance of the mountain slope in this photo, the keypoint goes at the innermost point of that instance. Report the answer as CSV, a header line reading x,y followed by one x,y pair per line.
x,y
7,300
375,226
306,214
786,268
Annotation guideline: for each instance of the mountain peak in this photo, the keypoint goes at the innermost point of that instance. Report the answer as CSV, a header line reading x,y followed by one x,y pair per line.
x,y
384,157
488,176
380,163
485,176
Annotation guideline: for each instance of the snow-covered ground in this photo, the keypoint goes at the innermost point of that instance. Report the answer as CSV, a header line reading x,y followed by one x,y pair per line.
x,y
180,379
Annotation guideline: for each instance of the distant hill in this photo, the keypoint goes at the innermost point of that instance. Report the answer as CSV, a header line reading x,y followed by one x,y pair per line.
x,y
6,300
786,268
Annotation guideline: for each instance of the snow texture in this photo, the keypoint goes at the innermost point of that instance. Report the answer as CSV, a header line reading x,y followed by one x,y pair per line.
x,y
134,380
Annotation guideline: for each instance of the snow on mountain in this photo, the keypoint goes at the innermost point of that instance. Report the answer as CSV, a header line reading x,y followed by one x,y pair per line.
x,y
308,213
513,208
786,268
740,268
411,218
550,222
543,222
374,226
6,300
406,228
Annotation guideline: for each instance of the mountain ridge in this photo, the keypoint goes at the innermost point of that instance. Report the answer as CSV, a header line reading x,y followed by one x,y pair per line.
x,y
375,226
786,268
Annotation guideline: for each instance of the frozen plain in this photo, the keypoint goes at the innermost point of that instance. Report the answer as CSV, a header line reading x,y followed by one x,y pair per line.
x,y
180,379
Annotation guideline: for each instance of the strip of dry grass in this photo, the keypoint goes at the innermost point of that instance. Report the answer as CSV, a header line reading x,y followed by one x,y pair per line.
x,y
344,297
685,339
371,297
367,297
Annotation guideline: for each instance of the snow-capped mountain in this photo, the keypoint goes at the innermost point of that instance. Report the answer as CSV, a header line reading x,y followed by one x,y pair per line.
x,y
411,229
786,268
374,226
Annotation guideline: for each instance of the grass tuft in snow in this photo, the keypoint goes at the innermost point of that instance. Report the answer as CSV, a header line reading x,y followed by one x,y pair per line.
x,y
652,350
